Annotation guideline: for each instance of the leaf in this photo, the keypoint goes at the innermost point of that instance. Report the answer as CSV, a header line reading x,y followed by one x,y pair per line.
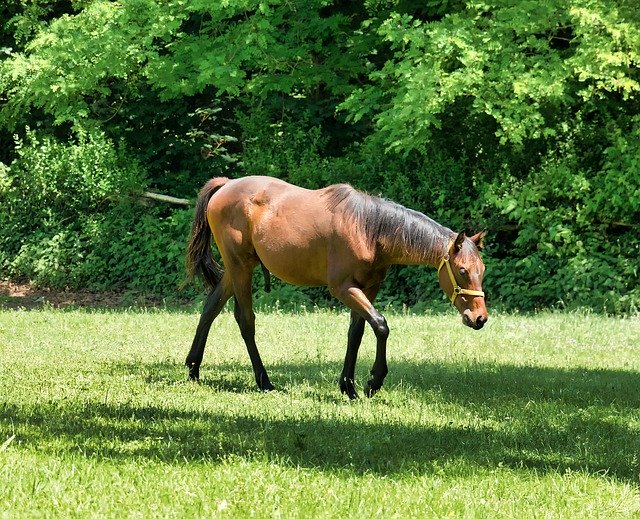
x,y
7,442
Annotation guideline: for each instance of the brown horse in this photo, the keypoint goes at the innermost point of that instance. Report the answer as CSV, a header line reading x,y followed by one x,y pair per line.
x,y
336,237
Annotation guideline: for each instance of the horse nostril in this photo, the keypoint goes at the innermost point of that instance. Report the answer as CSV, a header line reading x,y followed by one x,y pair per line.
x,y
480,320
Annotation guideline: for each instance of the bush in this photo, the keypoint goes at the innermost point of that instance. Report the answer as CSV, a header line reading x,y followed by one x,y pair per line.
x,y
137,248
74,219
51,180
561,233
50,185
575,245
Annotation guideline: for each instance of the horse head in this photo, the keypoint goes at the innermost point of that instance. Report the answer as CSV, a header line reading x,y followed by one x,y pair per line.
x,y
460,275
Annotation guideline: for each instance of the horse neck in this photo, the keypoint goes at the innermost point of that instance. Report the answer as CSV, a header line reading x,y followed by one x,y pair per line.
x,y
422,242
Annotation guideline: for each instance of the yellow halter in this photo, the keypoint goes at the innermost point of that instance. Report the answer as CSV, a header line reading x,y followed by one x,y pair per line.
x,y
457,289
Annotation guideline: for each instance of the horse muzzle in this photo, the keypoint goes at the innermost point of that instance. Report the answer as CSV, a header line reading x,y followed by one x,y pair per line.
x,y
476,322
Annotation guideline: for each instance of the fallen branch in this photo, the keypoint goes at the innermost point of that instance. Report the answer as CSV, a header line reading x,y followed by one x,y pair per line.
x,y
622,224
166,198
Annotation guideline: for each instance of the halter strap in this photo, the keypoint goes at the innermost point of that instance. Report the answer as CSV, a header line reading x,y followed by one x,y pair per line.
x,y
457,289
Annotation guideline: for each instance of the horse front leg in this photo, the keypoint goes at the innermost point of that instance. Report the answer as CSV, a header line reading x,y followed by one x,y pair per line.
x,y
379,370
214,304
356,299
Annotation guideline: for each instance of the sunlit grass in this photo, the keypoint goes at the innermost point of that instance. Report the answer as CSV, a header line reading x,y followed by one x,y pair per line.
x,y
531,416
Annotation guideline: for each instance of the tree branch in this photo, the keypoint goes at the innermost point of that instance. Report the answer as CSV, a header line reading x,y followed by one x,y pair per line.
x,y
167,199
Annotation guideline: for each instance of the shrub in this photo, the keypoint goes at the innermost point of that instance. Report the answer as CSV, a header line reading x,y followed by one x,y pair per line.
x,y
575,245
55,195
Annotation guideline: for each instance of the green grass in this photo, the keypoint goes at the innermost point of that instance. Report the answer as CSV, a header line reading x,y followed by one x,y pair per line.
x,y
533,416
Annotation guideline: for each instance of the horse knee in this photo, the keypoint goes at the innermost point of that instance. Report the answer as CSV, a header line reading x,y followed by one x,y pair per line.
x,y
380,328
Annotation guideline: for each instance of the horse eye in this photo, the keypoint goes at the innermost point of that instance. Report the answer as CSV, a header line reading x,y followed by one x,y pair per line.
x,y
463,271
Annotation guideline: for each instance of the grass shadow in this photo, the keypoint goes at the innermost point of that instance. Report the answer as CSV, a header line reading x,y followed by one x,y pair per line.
x,y
521,417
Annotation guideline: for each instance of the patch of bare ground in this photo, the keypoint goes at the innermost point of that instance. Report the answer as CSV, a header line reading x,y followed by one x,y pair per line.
x,y
15,295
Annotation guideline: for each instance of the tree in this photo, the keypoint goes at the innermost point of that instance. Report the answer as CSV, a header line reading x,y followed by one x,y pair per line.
x,y
520,116
535,68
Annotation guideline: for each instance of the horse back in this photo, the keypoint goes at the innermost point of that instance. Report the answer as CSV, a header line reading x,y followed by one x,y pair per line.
x,y
291,230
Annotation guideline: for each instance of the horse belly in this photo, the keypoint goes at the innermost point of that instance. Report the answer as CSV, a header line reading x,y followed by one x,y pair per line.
x,y
294,249
295,262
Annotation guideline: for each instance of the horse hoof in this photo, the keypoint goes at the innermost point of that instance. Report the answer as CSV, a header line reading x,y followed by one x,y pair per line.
x,y
351,393
267,388
264,384
370,390
347,387
194,372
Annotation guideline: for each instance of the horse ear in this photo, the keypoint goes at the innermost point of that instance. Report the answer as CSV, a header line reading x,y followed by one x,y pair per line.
x,y
478,239
457,245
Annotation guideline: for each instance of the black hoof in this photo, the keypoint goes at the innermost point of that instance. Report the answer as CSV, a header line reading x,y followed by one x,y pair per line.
x,y
266,388
194,372
371,388
348,386
264,384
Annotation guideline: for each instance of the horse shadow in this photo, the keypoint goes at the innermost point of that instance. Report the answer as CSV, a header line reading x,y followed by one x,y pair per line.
x,y
522,417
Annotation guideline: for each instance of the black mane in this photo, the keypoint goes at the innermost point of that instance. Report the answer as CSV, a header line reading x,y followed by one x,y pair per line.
x,y
386,223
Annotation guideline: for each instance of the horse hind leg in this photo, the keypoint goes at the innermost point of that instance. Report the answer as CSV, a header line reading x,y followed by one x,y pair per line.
x,y
214,304
246,319
354,338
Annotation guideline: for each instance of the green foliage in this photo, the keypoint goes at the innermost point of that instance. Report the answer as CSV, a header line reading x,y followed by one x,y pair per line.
x,y
73,218
258,48
137,248
24,19
182,143
53,181
574,245
616,193
518,62
519,117
49,191
71,63
181,49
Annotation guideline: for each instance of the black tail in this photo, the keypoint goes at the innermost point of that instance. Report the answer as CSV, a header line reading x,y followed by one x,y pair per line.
x,y
200,260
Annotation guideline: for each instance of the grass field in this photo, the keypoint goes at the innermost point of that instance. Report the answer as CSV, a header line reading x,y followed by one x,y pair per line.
x,y
533,416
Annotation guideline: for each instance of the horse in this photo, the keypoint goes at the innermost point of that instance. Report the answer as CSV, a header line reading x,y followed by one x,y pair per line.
x,y
338,237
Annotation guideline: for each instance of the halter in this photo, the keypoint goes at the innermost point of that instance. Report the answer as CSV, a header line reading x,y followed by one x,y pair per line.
x,y
457,289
